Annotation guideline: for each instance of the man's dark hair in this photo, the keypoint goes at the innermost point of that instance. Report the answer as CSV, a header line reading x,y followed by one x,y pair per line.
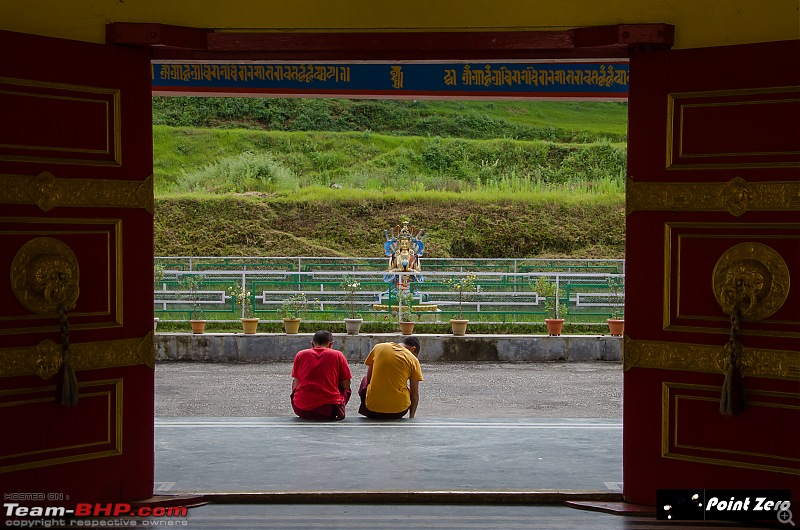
x,y
322,337
411,341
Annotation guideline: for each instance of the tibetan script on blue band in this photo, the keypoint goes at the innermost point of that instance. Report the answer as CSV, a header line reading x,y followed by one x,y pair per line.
x,y
608,79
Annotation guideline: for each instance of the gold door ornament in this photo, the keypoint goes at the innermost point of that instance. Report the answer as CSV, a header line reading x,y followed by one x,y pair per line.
x,y
47,191
736,197
753,278
44,276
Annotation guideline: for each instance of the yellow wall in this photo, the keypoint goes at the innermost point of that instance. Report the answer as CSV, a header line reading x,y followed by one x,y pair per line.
x,y
699,23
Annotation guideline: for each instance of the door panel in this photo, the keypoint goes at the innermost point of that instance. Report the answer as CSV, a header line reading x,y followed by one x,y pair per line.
x,y
76,196
713,198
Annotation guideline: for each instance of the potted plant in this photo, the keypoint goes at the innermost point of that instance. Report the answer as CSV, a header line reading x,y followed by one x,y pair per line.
x,y
191,284
547,289
353,323
244,299
292,309
463,286
405,313
616,325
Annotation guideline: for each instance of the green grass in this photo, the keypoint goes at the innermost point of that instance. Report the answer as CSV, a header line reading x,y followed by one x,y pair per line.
x,y
236,160
532,193
521,120
609,119
485,179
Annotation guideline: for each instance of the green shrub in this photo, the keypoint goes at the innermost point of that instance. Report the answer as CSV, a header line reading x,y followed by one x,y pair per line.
x,y
244,172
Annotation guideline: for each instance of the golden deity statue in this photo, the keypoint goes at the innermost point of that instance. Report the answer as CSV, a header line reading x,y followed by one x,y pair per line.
x,y
404,246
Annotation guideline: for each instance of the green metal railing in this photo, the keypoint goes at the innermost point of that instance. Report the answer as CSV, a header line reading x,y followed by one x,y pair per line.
x,y
505,292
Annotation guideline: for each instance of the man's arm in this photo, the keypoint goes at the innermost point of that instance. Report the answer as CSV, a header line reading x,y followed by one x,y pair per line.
x,y
344,384
295,383
414,391
369,374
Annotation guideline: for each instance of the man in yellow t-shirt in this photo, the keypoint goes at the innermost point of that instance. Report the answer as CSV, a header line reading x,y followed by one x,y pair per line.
x,y
391,386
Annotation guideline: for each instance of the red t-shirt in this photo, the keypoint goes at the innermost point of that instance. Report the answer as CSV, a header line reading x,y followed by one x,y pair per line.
x,y
318,371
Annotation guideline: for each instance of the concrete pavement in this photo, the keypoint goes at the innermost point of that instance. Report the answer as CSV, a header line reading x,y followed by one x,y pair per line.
x,y
450,390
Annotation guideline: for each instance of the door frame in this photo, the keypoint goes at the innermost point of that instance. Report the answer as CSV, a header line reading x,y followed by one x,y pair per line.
x,y
172,43
649,42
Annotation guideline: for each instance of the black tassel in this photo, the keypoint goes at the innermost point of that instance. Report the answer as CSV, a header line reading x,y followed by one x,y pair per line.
x,y
732,401
725,405
69,386
68,394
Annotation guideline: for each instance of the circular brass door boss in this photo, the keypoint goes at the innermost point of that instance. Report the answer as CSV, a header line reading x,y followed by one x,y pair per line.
x,y
44,276
753,278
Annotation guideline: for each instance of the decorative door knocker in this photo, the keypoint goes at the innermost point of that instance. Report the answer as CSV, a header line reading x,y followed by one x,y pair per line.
x,y
44,278
751,282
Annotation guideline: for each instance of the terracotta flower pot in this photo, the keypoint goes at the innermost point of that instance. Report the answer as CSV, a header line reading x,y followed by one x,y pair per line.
x,y
459,326
291,325
249,325
353,325
198,326
616,327
407,328
554,326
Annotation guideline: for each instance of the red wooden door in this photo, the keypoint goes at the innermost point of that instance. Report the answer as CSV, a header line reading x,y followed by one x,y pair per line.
x,y
76,231
713,199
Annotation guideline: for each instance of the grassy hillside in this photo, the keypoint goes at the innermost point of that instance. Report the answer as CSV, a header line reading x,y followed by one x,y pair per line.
x,y
343,226
276,177
520,120
236,160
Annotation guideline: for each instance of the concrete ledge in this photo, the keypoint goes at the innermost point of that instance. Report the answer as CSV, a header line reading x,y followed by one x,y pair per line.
x,y
238,347
410,497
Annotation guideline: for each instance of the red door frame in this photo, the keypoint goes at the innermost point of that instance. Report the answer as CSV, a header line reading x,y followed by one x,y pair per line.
x,y
180,43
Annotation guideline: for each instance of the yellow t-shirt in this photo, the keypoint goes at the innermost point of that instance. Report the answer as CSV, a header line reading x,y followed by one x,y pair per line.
x,y
392,367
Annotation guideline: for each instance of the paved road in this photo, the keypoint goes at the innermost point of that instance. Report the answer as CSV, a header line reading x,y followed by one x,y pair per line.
x,y
450,390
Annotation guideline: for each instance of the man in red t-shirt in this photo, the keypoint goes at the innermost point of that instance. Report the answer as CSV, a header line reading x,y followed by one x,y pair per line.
x,y
320,380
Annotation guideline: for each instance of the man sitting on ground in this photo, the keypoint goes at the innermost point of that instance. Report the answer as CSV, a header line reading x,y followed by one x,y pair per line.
x,y
391,367
321,380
